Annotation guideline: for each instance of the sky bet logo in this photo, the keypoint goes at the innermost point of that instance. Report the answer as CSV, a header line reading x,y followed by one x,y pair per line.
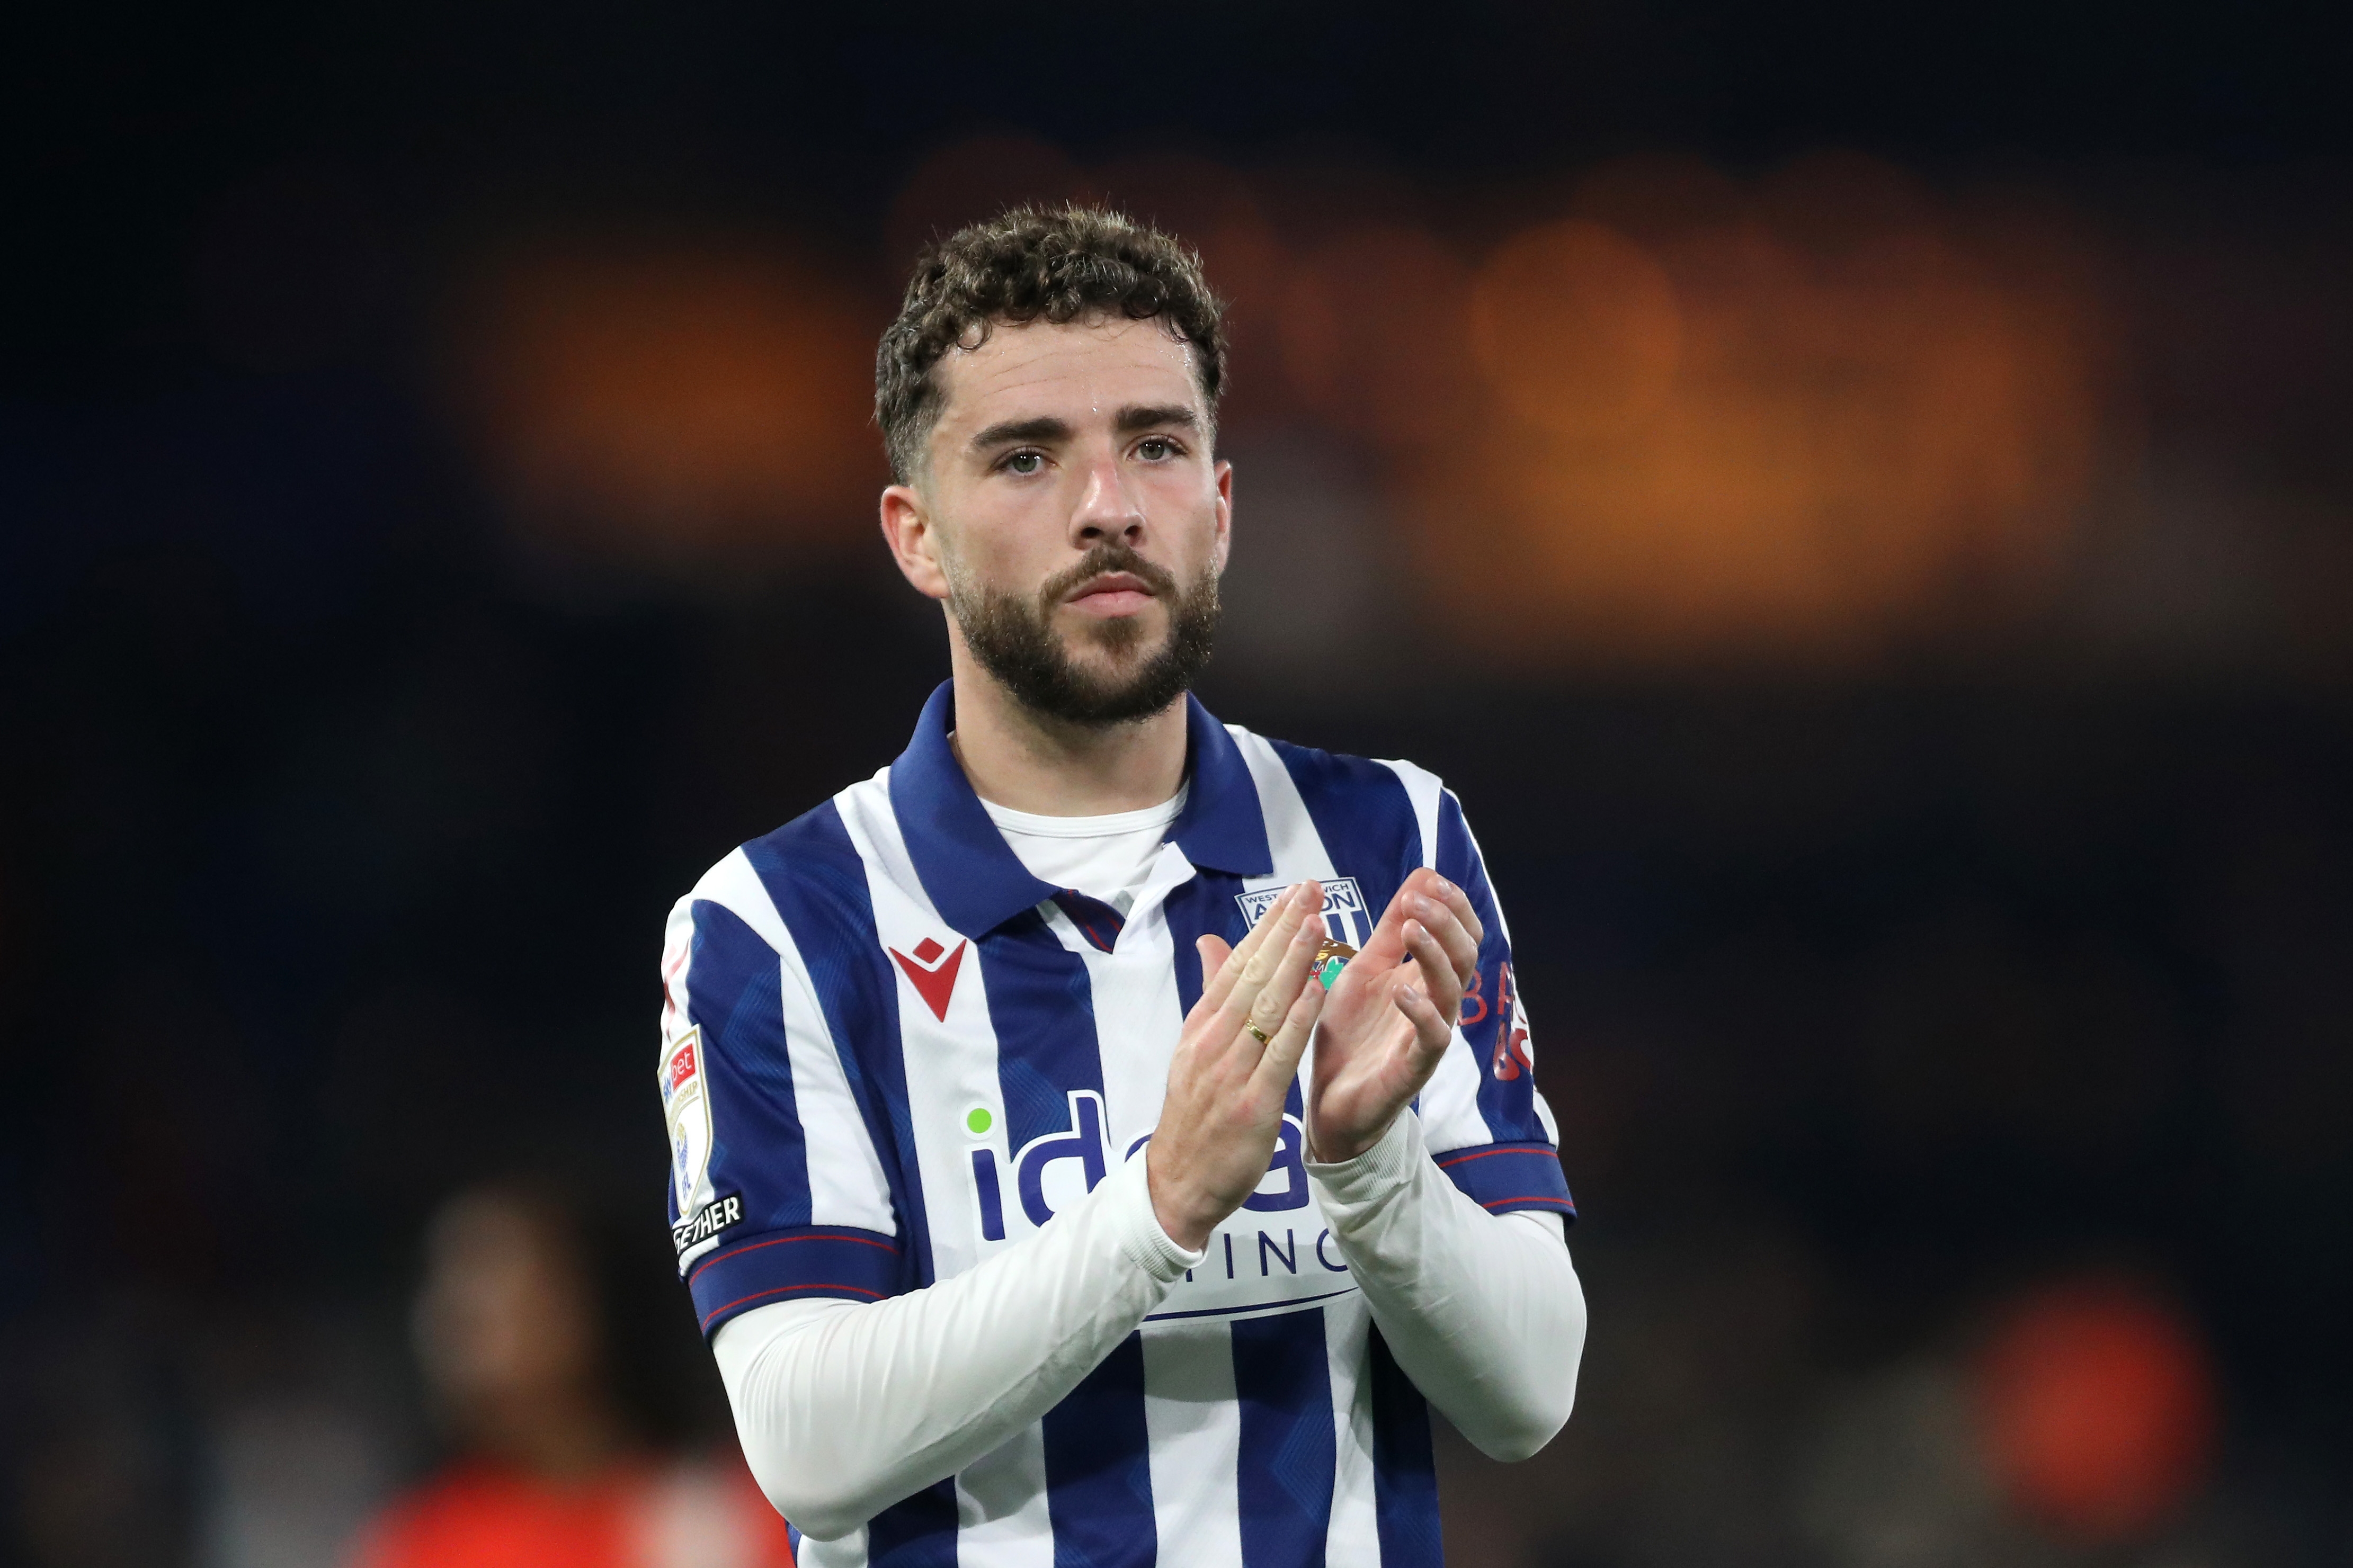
x,y
1087,1154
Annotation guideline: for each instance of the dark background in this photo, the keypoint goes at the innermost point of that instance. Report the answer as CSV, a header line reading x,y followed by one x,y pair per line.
x,y
1895,962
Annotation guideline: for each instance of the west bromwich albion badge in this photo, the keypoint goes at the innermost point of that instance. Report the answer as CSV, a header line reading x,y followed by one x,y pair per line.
x,y
1346,921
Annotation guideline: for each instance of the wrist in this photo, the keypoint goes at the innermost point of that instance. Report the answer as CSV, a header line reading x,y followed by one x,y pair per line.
x,y
1147,1241
1390,1159
1192,1234
1324,1148
1188,1225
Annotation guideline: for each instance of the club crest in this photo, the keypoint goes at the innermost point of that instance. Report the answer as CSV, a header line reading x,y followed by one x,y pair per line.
x,y
686,1109
1345,920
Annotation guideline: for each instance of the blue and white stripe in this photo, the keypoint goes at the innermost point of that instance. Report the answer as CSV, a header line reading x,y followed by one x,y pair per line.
x,y
915,1051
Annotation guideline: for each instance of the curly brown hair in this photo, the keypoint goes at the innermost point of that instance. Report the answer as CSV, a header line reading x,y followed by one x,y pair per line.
x,y
1034,264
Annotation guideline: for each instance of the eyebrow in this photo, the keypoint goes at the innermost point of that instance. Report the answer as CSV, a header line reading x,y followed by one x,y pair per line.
x,y
1047,427
1044,428
1145,416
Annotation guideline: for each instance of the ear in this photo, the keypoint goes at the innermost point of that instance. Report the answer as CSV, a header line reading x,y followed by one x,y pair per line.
x,y
1225,542
907,528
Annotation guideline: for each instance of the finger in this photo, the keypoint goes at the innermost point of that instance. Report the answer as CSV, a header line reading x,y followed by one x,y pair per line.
x,y
1292,970
1279,1062
1215,990
1431,1032
1246,971
1460,947
1456,899
1436,970
1214,952
1278,951
1386,944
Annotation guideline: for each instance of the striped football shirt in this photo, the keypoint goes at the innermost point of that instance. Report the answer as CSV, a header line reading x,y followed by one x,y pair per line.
x,y
889,1051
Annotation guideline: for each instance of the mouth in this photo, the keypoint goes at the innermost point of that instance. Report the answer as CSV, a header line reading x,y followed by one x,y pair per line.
x,y
1111,595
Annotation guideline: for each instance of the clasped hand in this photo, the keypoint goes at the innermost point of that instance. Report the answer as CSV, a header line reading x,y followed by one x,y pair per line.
x,y
1378,1035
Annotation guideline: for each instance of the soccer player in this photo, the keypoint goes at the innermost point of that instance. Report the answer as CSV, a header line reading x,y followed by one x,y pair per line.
x,y
1096,1134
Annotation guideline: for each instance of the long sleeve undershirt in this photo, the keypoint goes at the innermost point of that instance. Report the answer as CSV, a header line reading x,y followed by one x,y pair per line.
x,y
844,1408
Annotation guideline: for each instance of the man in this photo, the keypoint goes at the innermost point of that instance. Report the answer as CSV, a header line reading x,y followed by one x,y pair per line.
x,y
1042,1202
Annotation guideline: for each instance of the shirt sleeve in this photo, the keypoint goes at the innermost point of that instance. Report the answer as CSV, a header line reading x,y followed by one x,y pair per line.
x,y
1483,1313
1486,1125
843,1410
776,1190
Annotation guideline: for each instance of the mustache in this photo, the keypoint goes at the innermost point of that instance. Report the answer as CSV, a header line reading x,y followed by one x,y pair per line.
x,y
1109,556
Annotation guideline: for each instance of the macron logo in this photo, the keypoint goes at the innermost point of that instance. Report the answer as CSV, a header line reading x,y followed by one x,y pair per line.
x,y
930,969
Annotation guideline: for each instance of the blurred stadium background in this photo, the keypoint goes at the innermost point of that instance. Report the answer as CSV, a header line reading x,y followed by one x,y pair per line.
x,y
1856,498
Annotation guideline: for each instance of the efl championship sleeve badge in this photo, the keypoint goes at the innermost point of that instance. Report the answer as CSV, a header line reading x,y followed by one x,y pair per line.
x,y
686,1110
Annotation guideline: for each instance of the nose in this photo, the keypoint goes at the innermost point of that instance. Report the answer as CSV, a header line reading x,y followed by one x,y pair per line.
x,y
1108,509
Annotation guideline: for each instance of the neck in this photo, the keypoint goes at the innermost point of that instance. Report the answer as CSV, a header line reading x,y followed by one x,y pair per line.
x,y
1019,758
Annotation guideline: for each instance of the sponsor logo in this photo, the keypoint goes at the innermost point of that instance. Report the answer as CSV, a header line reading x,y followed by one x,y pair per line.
x,y
686,1110
1053,1170
707,1222
1275,1254
930,969
1510,1058
1346,918
1084,1144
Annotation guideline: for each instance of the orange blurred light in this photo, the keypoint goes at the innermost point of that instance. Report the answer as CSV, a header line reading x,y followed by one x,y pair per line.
x,y
1377,335
1577,328
705,407
1731,441
2099,1409
970,181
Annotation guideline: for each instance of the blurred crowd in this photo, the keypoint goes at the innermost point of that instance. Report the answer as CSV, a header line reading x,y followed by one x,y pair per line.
x,y
1885,614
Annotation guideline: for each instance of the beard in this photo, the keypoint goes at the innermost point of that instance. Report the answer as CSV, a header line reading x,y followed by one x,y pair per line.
x,y
1014,640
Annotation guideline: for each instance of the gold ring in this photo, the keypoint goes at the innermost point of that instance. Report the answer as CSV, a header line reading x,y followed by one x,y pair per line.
x,y
1251,1025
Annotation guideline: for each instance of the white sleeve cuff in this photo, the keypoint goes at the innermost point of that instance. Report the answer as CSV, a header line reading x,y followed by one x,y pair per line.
x,y
1141,1240
1388,1165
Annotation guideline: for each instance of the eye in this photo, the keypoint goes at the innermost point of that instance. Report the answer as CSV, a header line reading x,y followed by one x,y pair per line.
x,y
1024,463
1156,449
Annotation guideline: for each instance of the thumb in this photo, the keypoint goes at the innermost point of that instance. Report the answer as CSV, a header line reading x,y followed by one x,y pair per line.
x,y
1215,950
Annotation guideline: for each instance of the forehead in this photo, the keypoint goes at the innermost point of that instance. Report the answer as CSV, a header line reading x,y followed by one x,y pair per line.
x,y
1066,368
